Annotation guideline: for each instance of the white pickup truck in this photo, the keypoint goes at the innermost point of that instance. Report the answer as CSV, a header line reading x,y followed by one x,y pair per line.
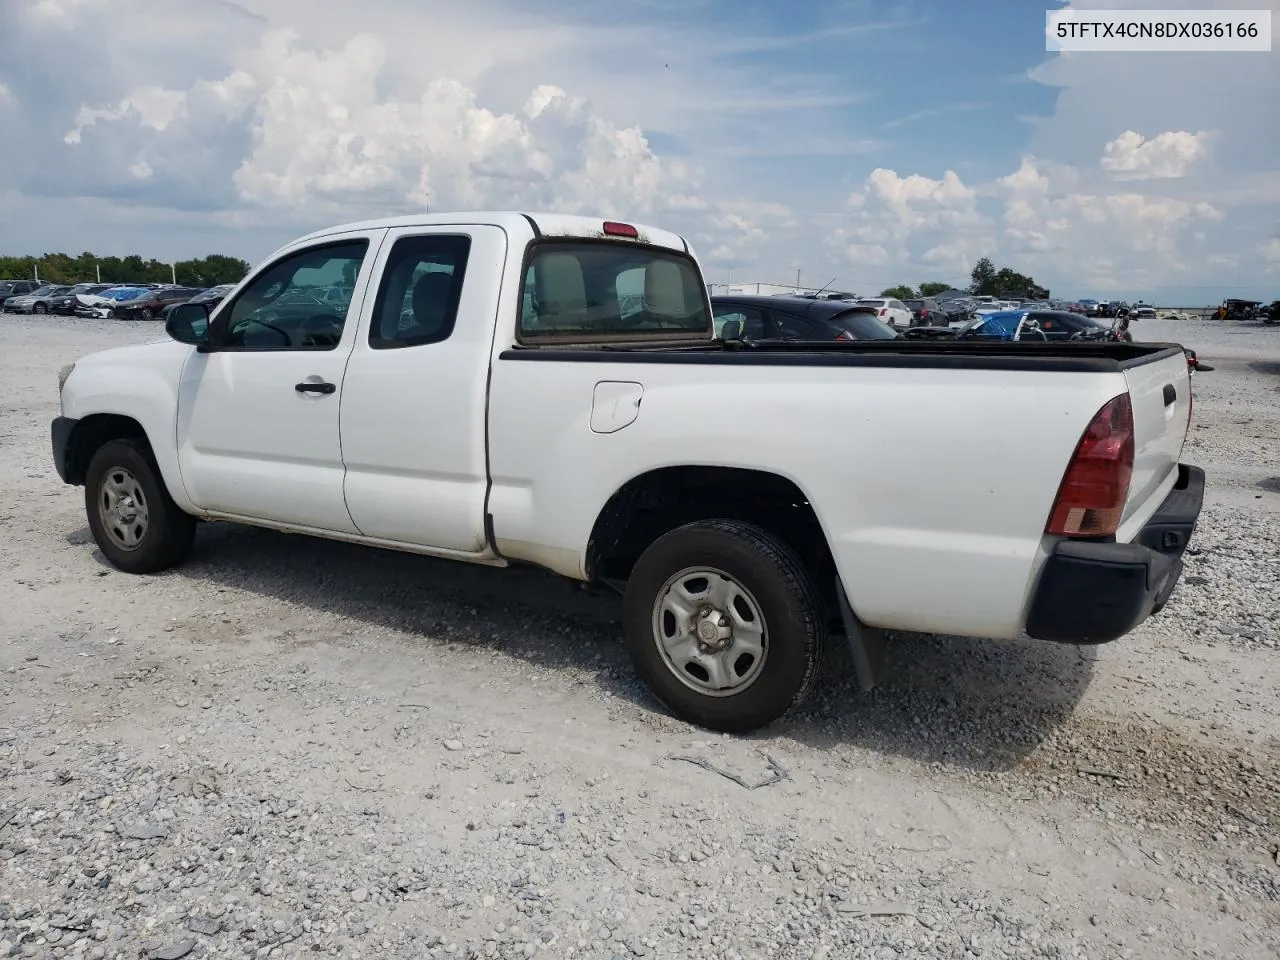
x,y
506,388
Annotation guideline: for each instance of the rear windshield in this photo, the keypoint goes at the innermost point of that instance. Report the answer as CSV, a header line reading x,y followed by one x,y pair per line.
x,y
582,291
863,325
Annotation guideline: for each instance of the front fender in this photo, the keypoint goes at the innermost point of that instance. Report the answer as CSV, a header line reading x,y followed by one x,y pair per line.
x,y
140,383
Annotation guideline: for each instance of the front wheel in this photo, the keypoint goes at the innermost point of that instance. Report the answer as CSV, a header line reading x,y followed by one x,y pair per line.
x,y
724,624
39,308
134,521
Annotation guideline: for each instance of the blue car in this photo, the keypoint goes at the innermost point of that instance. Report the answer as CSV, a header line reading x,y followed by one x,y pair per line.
x,y
1039,325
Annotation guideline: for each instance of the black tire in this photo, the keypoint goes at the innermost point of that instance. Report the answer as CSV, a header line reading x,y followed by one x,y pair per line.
x,y
167,532
148,314
790,607
39,308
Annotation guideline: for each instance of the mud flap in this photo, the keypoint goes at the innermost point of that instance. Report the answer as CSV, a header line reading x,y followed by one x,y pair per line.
x,y
865,643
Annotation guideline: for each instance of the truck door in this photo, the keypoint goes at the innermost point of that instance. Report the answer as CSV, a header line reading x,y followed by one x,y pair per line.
x,y
414,395
257,424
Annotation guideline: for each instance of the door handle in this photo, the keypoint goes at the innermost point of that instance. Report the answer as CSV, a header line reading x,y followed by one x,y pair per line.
x,y
321,387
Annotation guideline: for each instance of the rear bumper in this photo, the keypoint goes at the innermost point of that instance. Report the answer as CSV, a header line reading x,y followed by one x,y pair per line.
x,y
1097,592
60,430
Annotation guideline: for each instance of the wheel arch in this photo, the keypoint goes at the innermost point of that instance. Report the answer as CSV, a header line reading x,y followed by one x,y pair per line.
x,y
96,429
659,500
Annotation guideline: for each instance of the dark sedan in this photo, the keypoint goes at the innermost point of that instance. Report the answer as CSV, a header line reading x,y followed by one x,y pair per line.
x,y
152,304
800,318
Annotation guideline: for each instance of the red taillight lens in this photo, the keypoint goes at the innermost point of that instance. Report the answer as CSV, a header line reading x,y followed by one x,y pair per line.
x,y
614,229
1091,499
883,311
844,335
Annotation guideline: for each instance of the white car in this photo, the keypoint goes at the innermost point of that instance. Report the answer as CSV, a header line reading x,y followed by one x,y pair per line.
x,y
891,311
480,398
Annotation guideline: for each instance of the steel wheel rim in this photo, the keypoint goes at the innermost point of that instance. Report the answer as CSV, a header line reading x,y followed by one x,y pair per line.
x,y
710,632
123,509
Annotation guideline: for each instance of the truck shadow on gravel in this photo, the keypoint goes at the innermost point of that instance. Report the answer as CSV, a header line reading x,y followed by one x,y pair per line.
x,y
977,704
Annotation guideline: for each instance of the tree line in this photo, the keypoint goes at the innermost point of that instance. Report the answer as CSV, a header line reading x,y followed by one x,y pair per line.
x,y
984,280
62,268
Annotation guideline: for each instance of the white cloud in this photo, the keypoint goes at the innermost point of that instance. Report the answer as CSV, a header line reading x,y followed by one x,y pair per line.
x,y
1270,252
1167,156
900,219
322,134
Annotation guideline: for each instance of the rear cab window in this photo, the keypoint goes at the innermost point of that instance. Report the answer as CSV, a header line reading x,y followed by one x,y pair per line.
x,y
584,291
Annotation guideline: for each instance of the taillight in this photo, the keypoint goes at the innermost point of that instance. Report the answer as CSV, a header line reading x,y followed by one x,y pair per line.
x,y
883,311
844,335
1091,499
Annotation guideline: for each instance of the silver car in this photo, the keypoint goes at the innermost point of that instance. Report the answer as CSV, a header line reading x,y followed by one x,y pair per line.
x,y
37,301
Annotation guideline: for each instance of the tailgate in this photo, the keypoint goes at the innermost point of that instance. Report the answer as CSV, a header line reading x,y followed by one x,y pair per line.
x,y
1160,391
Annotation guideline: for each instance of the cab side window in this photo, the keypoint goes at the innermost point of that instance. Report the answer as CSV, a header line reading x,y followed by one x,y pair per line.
x,y
298,303
418,297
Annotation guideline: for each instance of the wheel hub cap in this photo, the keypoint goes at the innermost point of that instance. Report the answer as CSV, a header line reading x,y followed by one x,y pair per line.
x,y
122,508
710,631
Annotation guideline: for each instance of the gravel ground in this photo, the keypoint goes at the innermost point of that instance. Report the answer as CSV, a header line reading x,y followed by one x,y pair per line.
x,y
290,747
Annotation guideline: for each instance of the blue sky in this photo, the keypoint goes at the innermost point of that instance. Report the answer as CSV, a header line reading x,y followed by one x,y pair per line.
x,y
870,142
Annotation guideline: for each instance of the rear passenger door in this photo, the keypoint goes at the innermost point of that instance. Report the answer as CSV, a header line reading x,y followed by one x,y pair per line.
x,y
414,395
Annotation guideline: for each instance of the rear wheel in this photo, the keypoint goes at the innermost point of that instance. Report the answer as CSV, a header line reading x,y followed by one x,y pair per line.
x,y
134,521
724,624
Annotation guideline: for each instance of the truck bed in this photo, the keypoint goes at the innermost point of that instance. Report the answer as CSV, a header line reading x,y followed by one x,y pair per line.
x,y
925,462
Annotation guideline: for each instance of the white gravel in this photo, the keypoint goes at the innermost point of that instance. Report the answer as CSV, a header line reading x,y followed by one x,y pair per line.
x,y
290,747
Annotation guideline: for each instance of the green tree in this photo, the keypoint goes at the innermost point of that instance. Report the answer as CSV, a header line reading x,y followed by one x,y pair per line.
x,y
900,292
982,278
208,271
933,288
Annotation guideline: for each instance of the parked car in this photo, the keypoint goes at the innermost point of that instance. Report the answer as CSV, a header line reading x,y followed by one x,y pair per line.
x,y
762,492
1027,325
212,297
891,311
37,301
925,312
65,302
1142,313
799,318
102,304
16,288
151,304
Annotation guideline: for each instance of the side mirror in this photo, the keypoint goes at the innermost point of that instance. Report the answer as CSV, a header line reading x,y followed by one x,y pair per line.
x,y
732,330
188,323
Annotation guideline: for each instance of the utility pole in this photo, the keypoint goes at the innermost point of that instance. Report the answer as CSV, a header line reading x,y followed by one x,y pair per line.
x,y
797,279
36,268
173,267
98,270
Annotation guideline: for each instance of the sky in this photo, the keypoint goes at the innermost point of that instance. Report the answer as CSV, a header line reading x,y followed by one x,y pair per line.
x,y
855,143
